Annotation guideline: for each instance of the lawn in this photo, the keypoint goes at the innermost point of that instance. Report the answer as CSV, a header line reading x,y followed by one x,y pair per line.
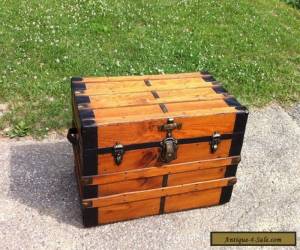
x,y
251,46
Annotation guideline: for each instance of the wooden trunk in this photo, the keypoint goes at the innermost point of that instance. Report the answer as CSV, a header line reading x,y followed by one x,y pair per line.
x,y
147,145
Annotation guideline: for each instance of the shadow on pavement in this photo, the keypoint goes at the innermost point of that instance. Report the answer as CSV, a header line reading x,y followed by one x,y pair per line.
x,y
42,177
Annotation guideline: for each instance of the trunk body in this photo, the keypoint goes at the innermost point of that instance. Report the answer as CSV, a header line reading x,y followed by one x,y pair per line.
x,y
147,145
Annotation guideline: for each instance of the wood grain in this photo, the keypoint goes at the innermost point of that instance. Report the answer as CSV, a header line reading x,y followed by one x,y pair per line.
x,y
157,171
144,158
196,176
192,200
140,86
147,98
156,193
148,131
137,111
126,211
130,186
143,77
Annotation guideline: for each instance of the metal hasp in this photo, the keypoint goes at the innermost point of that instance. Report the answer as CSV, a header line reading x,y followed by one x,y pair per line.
x,y
215,140
169,144
118,152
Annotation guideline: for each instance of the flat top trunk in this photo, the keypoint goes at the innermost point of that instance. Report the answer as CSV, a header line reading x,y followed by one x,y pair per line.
x,y
132,109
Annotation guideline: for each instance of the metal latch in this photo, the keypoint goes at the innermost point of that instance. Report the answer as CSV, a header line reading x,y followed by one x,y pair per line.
x,y
169,144
215,140
170,125
118,152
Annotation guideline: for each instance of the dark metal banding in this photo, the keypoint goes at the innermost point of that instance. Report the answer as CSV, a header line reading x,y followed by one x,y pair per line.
x,y
89,140
226,194
89,192
76,79
230,171
208,78
232,102
82,99
157,144
86,114
219,89
148,83
162,205
204,72
239,129
90,217
89,162
154,93
78,86
163,107
163,198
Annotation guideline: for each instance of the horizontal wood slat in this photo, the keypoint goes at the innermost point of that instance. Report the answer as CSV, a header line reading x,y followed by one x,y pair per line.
x,y
128,211
150,112
130,186
192,200
156,193
142,77
148,117
157,171
137,209
196,176
92,89
147,98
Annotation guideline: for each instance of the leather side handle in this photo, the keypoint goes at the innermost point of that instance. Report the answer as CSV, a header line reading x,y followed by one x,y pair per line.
x,y
72,135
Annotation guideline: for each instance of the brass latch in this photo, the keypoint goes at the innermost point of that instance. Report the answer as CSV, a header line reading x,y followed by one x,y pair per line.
x,y
170,125
215,140
169,144
118,152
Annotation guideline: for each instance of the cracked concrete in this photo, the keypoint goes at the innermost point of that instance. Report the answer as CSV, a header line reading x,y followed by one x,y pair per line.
x,y
39,202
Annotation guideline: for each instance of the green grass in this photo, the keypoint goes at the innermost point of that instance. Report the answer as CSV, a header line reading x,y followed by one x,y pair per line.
x,y
252,46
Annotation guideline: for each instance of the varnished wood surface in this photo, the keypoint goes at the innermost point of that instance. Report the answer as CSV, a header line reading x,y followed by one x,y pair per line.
x,y
148,130
148,98
142,77
130,186
107,88
156,193
126,211
196,176
131,99
157,171
156,182
137,209
192,200
148,112
145,158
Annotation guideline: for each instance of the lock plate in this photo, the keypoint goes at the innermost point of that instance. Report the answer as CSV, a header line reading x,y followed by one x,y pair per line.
x,y
168,150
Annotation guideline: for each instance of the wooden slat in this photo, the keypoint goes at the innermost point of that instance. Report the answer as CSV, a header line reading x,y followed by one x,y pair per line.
x,y
145,158
157,171
156,182
196,176
156,193
149,77
147,131
140,86
130,186
140,113
147,98
192,200
127,211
